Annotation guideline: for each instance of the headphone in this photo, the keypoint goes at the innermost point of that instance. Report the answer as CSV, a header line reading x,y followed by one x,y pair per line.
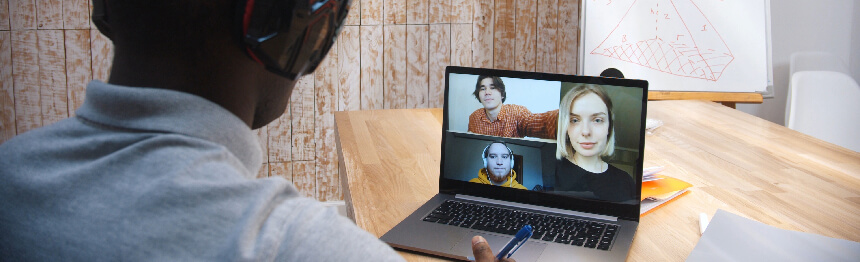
x,y
484,155
288,38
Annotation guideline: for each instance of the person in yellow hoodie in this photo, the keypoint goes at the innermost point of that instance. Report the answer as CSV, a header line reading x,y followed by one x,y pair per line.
x,y
498,167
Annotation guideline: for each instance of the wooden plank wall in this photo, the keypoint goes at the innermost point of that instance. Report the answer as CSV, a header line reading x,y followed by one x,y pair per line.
x,y
391,54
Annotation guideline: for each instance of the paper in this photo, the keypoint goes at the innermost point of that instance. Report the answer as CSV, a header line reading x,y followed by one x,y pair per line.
x,y
734,238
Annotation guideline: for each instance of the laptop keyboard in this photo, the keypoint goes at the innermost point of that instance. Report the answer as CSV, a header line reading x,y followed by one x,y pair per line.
x,y
551,228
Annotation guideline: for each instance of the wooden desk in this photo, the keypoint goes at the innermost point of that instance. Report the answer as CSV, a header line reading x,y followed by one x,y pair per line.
x,y
389,165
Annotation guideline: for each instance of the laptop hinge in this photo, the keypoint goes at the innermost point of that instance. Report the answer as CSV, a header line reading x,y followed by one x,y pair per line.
x,y
537,208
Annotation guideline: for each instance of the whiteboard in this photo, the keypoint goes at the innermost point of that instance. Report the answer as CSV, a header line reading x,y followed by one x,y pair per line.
x,y
680,45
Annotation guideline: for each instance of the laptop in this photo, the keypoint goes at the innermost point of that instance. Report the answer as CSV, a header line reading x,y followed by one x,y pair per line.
x,y
497,176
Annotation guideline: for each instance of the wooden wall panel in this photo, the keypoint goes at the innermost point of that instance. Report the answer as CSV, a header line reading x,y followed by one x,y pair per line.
x,y
349,50
52,76
417,66
281,169
439,12
482,34
49,14
76,14
392,55
304,178
461,44
7,89
394,68
505,38
22,14
394,12
102,50
264,171
371,67
440,57
79,70
326,172
568,36
416,11
25,71
526,35
371,12
302,109
4,16
280,138
354,15
462,11
547,26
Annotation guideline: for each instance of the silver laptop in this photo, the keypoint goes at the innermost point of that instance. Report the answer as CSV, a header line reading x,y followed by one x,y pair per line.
x,y
509,160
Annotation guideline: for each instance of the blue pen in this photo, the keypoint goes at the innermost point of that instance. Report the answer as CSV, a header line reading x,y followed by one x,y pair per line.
x,y
522,236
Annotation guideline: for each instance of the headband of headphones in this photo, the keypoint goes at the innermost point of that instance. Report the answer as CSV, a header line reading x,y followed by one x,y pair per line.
x,y
484,154
289,38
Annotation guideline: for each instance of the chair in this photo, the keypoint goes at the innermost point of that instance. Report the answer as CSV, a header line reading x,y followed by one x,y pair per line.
x,y
825,105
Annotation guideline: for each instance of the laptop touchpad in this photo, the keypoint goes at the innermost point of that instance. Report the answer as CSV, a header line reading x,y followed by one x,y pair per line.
x,y
529,252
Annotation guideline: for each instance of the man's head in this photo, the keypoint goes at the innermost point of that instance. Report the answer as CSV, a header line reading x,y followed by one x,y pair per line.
x,y
242,55
490,91
499,160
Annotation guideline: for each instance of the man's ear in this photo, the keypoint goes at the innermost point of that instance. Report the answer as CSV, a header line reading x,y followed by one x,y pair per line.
x,y
100,17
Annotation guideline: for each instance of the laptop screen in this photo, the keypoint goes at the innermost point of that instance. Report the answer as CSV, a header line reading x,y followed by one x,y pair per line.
x,y
562,141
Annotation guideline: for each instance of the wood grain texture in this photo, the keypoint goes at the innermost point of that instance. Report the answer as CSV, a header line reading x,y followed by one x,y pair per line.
x,y
735,161
76,14
79,69
395,12
49,14
326,104
354,15
461,44
462,11
547,29
302,116
4,15
22,14
482,34
281,169
52,76
371,67
280,138
504,31
304,178
372,12
440,57
263,141
7,88
25,71
526,30
568,36
349,50
394,66
102,50
439,12
416,11
264,171
417,66
709,96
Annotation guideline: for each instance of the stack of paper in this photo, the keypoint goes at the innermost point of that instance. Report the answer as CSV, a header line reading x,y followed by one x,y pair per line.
x,y
658,190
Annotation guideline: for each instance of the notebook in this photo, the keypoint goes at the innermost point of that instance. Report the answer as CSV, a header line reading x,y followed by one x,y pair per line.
x,y
508,160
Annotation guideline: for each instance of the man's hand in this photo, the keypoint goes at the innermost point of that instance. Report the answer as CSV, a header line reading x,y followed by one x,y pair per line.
x,y
482,251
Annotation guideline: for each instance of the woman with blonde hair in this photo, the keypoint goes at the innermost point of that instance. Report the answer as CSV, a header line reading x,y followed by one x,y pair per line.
x,y
586,136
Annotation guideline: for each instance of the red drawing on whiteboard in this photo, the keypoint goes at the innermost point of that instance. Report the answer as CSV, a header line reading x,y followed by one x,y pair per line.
x,y
699,53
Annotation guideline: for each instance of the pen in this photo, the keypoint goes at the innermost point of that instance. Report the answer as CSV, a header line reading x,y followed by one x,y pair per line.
x,y
522,236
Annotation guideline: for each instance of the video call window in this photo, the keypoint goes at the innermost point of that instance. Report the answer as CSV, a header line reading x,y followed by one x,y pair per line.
x,y
507,131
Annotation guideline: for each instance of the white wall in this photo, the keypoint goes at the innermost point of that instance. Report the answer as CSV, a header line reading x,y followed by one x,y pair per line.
x,y
808,25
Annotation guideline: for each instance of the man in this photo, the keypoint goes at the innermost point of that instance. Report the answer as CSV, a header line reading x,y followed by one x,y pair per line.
x,y
498,167
159,163
506,120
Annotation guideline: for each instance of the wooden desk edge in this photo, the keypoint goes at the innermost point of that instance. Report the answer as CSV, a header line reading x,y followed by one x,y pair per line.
x,y
727,99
